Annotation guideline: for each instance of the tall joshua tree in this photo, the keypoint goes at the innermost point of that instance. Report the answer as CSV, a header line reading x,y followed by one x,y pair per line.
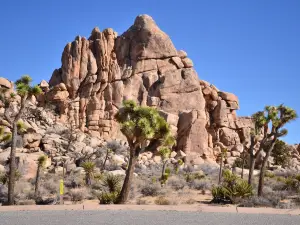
x,y
278,117
144,130
24,90
41,164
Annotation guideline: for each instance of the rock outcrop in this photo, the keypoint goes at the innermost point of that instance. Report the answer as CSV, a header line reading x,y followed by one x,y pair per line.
x,y
142,64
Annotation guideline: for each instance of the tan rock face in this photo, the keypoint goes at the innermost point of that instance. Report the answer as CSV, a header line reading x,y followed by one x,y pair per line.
x,y
99,73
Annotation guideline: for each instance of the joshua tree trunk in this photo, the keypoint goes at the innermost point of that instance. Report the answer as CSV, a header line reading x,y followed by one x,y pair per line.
x,y
251,169
221,169
163,169
263,169
128,179
37,182
105,160
252,160
12,165
88,179
243,164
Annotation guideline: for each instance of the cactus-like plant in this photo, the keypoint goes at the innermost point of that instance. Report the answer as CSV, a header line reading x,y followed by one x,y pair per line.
x,y
89,169
144,130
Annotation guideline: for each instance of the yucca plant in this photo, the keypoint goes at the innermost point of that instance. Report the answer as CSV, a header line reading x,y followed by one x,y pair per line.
x,y
42,160
231,189
112,182
113,185
89,169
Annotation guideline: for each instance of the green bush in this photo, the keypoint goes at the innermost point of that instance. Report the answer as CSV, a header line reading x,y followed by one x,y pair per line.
x,y
232,189
281,153
108,197
269,174
113,185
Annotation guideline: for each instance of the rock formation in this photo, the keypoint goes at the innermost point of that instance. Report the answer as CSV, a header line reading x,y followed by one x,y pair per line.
x,y
97,74
142,64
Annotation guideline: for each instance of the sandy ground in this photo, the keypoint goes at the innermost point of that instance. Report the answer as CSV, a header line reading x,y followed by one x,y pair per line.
x,y
182,208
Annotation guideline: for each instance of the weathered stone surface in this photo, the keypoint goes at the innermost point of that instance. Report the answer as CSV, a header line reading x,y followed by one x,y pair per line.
x,y
142,64
5,83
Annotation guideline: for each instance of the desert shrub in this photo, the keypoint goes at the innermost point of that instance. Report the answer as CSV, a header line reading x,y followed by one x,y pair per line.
x,y
26,202
161,200
149,189
3,193
51,185
117,147
141,201
112,166
190,201
255,201
78,194
238,163
112,184
269,174
194,176
108,197
176,183
23,190
3,178
292,184
284,173
232,189
209,170
73,181
200,184
281,153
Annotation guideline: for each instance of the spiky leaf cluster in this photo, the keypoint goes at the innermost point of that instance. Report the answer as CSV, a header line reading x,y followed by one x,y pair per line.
x,y
278,116
42,160
24,88
89,167
165,152
142,123
4,136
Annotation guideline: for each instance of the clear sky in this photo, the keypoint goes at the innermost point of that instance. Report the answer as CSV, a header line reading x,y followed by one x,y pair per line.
x,y
248,47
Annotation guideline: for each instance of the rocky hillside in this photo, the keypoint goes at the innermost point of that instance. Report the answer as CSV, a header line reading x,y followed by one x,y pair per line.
x,y
101,71
142,64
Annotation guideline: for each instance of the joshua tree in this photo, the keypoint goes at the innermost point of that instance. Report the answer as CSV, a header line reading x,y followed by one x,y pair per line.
x,y
41,164
278,117
24,90
222,155
145,130
165,154
89,169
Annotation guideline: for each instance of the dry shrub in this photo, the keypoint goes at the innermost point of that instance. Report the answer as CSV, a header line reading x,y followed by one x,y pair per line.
x,y
161,200
176,183
190,201
78,194
141,201
149,189
200,185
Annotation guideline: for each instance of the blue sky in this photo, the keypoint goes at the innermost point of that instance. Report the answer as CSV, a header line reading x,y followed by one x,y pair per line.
x,y
250,48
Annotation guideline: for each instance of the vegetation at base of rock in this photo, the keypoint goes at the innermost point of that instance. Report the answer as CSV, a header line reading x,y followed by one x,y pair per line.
x,y
231,189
